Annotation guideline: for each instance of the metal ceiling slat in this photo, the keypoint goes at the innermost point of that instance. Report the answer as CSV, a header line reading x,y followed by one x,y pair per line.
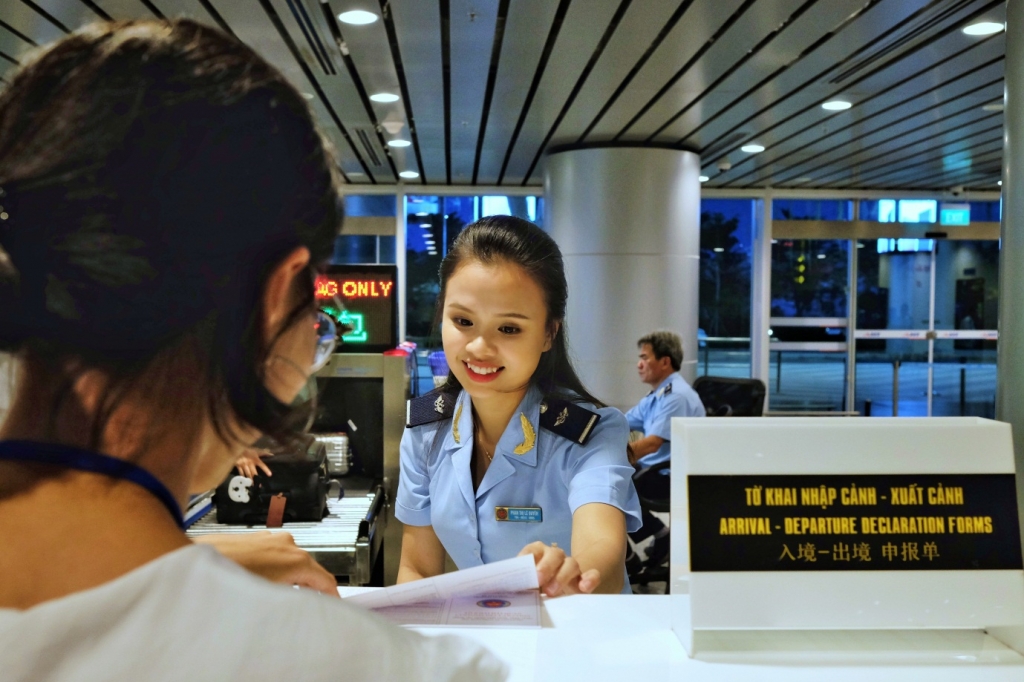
x,y
125,9
200,10
586,25
977,143
272,40
961,124
851,42
944,178
690,37
526,30
366,54
472,39
953,98
927,70
417,31
901,118
642,32
531,93
783,47
715,59
581,80
30,23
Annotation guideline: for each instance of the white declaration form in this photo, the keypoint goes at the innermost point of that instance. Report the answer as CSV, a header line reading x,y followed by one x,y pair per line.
x,y
503,594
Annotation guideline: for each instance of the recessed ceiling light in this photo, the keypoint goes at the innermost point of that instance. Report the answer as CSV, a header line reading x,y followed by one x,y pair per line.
x,y
409,174
309,95
994,106
703,178
718,249
821,255
399,143
999,182
385,97
983,28
357,17
422,213
752,148
860,246
836,105
425,225
356,174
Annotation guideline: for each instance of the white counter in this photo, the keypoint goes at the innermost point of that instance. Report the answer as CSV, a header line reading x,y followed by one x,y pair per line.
x,y
622,637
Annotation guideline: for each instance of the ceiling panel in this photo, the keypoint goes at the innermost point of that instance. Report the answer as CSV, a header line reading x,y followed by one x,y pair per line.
x,y
527,28
572,51
487,86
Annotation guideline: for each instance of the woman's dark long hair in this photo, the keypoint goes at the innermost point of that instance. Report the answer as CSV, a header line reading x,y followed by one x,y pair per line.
x,y
506,239
152,175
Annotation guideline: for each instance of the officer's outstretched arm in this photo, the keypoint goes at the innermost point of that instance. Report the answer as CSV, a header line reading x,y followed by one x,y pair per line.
x,y
422,554
599,542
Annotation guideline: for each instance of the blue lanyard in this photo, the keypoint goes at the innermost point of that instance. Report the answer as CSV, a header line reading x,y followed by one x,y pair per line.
x,y
86,460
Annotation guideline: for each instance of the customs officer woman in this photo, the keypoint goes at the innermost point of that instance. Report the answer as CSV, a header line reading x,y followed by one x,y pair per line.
x,y
513,455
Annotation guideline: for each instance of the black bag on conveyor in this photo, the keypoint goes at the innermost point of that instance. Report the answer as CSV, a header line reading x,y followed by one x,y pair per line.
x,y
300,477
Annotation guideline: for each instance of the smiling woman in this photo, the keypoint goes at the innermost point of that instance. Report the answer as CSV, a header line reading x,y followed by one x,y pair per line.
x,y
513,455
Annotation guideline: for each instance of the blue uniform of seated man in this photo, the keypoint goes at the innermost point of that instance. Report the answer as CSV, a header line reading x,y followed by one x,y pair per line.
x,y
660,357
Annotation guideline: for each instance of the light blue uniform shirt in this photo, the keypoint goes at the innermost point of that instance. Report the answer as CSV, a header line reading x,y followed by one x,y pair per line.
x,y
555,474
653,415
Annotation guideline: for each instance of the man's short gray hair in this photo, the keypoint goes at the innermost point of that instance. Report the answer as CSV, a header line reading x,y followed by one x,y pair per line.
x,y
665,344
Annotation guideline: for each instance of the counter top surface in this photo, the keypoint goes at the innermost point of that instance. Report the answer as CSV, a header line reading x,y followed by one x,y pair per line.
x,y
623,637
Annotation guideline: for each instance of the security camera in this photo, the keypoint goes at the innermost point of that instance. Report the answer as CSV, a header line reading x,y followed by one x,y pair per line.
x,y
724,165
956,191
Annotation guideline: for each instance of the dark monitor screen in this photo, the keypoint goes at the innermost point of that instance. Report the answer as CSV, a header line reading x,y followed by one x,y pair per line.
x,y
370,299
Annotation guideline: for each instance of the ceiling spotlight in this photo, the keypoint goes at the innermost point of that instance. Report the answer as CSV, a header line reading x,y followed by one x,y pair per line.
x,y
399,143
983,28
994,106
357,17
703,178
821,255
718,249
422,213
409,174
999,182
836,105
752,148
384,97
426,226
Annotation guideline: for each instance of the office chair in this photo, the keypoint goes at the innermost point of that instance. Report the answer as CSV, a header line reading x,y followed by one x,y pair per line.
x,y
722,397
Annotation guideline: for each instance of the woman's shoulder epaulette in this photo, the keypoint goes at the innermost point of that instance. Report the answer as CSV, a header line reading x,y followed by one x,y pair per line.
x,y
428,408
568,420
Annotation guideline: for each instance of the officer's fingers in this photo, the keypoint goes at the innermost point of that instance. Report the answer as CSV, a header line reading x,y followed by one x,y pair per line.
x,y
549,564
565,580
589,581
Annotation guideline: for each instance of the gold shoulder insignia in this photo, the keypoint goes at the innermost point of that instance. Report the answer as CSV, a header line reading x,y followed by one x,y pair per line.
x,y
529,436
455,425
439,404
562,416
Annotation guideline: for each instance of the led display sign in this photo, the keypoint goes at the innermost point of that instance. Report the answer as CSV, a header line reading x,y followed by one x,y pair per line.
x,y
954,214
367,294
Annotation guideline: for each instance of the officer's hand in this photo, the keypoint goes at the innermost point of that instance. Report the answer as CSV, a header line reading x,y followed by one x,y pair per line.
x,y
273,556
250,463
559,574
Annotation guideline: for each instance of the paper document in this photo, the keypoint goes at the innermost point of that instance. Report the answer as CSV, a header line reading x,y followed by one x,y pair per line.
x,y
515,610
503,593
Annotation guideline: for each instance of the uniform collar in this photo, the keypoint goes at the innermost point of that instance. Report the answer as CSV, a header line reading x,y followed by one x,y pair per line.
x,y
520,436
660,390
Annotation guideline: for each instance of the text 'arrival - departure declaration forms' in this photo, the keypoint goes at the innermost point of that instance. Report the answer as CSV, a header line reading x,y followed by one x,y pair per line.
x,y
858,523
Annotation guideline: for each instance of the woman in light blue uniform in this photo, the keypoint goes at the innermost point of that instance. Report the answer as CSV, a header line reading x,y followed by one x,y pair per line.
x,y
513,455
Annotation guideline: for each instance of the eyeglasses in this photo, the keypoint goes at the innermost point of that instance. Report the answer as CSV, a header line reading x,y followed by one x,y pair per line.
x,y
326,340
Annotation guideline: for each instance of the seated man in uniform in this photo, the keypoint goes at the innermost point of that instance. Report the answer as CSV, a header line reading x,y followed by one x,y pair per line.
x,y
661,356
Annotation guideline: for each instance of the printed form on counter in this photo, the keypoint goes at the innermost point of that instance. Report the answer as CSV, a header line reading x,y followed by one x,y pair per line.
x,y
502,594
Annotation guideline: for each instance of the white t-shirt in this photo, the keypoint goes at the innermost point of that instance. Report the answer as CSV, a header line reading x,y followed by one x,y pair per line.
x,y
194,615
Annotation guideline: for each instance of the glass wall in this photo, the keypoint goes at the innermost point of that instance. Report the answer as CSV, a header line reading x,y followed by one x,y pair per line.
x,y
726,233
372,213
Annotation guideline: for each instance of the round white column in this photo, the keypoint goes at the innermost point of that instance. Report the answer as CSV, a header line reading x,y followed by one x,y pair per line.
x,y
627,220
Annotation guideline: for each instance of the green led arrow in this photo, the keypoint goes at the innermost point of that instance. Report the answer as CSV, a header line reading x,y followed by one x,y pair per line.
x,y
358,333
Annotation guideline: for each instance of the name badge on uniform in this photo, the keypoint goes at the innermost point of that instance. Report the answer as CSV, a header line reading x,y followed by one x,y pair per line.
x,y
520,514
